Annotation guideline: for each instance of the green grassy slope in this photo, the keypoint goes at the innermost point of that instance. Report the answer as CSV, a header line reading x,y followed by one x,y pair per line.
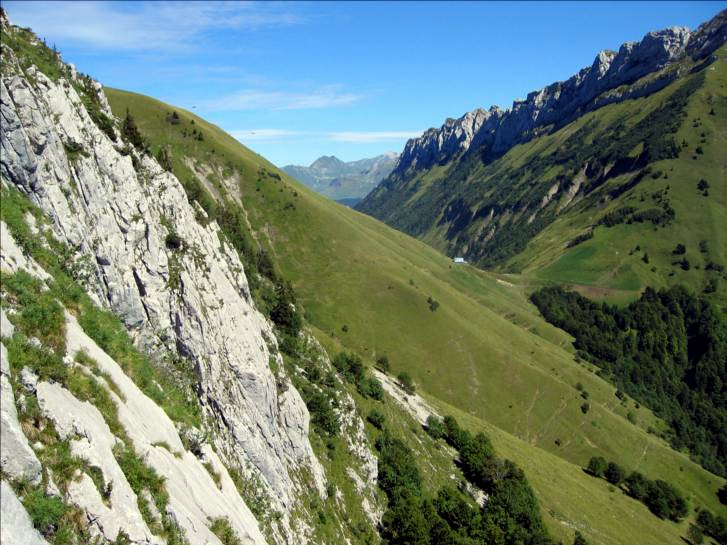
x,y
484,351
609,259
449,205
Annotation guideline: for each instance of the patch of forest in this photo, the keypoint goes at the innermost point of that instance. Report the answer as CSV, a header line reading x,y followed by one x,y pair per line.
x,y
509,514
667,350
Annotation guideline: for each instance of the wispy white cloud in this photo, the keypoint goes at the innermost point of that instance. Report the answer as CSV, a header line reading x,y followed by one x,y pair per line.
x,y
145,26
367,137
329,96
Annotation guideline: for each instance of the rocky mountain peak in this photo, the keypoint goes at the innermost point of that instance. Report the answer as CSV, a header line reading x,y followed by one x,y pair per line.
x,y
560,102
337,179
326,162
435,145
709,36
603,61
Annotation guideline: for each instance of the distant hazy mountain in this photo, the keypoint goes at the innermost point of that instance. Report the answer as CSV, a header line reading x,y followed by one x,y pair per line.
x,y
337,180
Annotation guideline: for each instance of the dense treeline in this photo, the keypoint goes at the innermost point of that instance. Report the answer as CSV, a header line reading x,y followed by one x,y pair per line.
x,y
662,499
510,513
668,350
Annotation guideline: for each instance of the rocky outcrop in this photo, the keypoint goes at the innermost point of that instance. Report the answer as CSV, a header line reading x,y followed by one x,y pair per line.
x,y
440,145
74,418
15,523
17,459
194,497
197,484
155,261
708,37
496,131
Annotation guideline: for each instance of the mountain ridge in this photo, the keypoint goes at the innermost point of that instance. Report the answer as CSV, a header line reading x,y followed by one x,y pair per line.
x,y
500,129
344,180
456,188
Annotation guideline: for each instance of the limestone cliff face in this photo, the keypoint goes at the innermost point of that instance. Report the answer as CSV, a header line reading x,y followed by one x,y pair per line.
x,y
439,145
496,131
179,288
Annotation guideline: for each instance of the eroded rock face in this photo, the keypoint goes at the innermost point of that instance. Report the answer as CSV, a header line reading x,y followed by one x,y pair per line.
x,y
17,459
195,497
438,145
74,418
178,289
497,131
709,36
15,524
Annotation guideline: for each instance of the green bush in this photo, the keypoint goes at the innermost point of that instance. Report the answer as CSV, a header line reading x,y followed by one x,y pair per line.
x,y
382,362
478,465
377,419
222,528
131,134
597,466
614,473
397,467
455,436
662,499
406,382
46,512
285,313
370,387
637,485
435,427
350,366
39,314
714,526
321,412
665,501
580,238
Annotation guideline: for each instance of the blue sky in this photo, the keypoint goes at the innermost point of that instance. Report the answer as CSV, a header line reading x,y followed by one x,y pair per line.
x,y
296,80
